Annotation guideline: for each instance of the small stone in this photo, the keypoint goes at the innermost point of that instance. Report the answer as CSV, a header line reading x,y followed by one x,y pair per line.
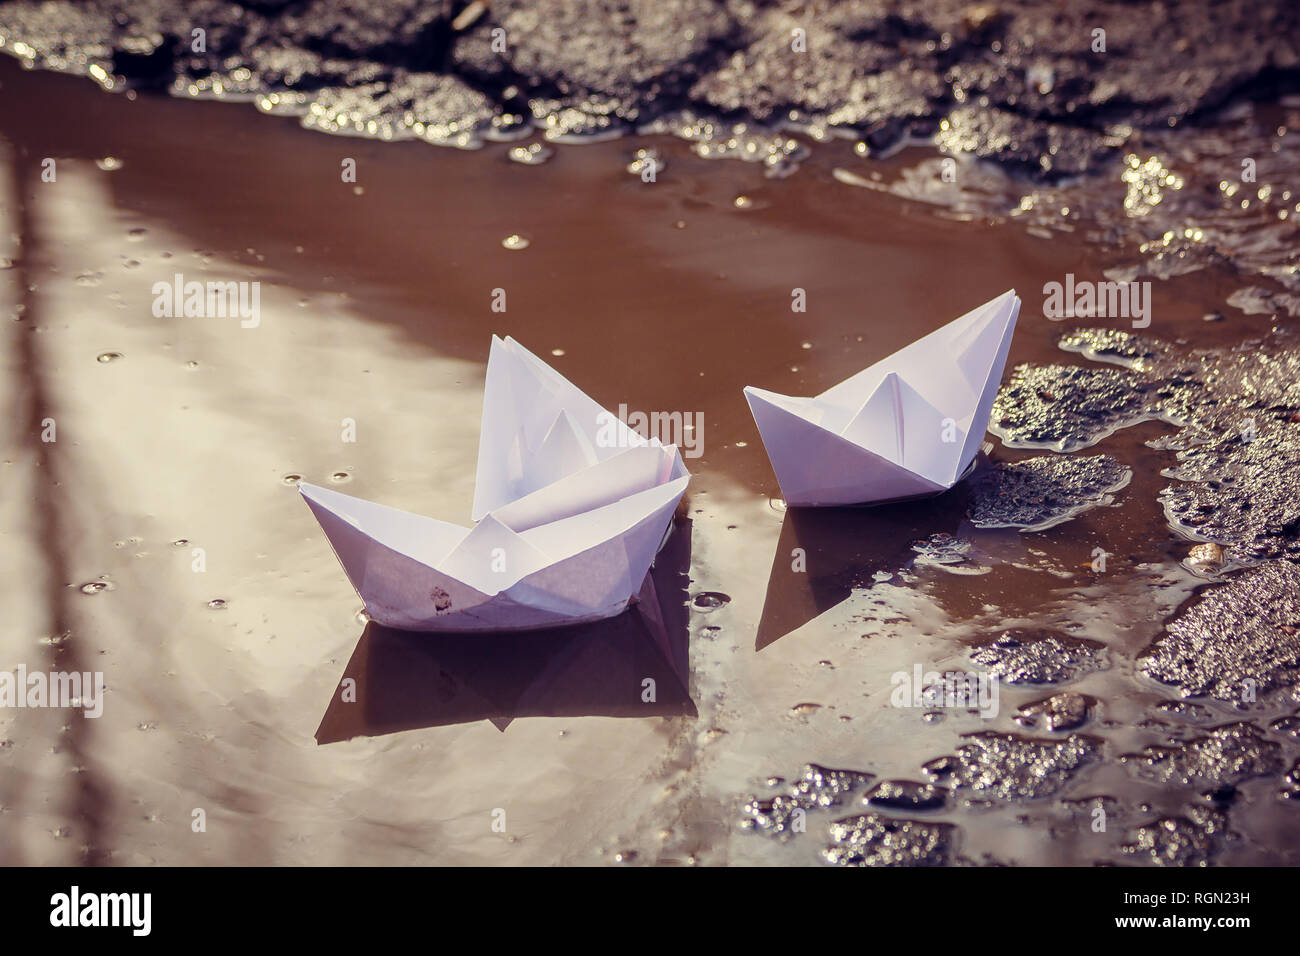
x,y
1206,557
1059,712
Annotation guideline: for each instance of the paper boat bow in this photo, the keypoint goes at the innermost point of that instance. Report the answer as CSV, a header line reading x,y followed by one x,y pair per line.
x,y
571,506
910,425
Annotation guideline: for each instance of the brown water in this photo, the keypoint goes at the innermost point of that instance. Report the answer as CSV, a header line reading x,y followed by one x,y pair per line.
x,y
177,434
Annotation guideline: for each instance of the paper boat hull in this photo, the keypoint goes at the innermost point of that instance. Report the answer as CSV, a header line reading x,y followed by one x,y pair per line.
x,y
817,468
878,502
405,593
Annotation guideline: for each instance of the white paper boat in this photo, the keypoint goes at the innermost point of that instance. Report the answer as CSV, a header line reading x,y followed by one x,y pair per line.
x,y
908,426
571,506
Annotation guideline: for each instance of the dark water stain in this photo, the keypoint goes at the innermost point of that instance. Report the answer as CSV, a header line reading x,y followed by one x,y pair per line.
x,y
85,799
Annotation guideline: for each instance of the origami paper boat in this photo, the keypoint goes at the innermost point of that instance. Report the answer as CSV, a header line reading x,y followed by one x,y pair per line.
x,y
571,507
908,426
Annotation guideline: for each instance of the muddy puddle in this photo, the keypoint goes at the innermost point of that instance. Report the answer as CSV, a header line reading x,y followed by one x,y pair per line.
x,y
159,537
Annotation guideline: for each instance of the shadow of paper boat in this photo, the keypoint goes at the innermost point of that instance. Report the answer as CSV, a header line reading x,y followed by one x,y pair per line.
x,y
407,680
842,549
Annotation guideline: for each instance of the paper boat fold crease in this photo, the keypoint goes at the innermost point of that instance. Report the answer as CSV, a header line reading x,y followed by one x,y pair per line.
x,y
570,507
908,426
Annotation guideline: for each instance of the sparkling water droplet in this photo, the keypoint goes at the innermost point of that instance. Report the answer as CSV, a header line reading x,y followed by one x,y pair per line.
x,y
107,357
95,587
217,604
709,600
109,163
339,477
515,241
532,154
291,479
647,163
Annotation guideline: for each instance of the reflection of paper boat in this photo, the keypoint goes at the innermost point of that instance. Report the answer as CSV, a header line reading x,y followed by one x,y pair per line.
x,y
571,506
841,551
909,425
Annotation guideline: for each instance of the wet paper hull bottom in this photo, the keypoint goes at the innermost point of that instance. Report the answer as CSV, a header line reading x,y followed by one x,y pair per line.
x,y
903,498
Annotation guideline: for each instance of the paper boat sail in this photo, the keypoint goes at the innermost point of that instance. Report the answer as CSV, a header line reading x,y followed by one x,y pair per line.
x,y
571,507
908,426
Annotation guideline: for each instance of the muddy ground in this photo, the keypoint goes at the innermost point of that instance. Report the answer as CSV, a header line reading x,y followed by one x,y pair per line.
x,y
1155,691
